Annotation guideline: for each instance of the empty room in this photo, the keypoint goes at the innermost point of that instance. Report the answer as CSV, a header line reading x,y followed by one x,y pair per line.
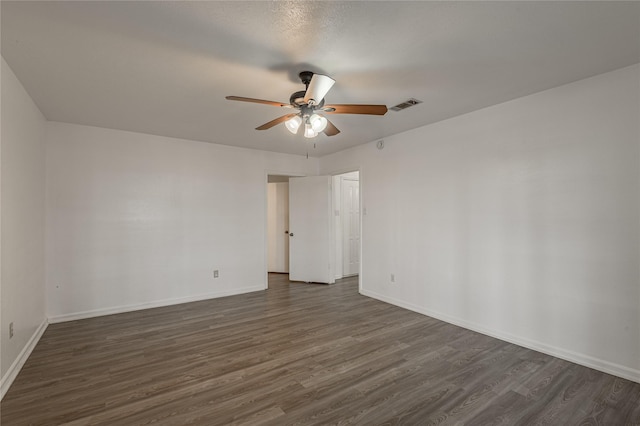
x,y
320,212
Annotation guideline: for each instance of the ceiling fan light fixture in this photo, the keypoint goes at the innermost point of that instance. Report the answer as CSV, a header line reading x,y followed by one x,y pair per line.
x,y
309,132
307,102
293,124
318,123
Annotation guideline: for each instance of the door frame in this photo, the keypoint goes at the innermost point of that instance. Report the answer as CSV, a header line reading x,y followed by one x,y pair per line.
x,y
333,172
268,173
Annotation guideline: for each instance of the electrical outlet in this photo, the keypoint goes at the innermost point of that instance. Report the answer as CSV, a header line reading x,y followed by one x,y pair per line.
x,y
216,273
10,330
393,278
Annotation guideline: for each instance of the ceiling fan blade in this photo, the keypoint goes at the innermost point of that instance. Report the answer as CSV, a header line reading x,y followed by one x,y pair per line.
x,y
257,101
355,109
331,130
318,88
278,120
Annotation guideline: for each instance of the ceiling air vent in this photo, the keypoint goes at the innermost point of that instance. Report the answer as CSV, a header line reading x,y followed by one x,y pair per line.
x,y
406,104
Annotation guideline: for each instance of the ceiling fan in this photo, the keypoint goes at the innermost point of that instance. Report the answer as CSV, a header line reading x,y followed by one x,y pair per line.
x,y
309,103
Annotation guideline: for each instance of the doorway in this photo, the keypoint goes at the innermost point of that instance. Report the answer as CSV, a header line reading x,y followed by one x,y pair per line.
x,y
326,212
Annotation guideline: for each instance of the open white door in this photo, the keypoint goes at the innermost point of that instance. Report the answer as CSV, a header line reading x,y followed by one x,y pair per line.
x,y
310,228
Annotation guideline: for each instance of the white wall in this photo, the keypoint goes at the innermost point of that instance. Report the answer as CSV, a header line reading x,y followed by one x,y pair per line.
x,y
23,221
520,220
136,220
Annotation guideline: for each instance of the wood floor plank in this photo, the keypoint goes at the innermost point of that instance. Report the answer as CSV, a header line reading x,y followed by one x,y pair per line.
x,y
300,354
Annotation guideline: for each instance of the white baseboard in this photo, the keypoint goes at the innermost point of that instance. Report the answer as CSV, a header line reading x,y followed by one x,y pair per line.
x,y
148,305
577,358
18,363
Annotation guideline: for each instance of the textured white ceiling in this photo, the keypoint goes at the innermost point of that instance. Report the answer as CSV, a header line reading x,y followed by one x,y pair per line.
x,y
164,68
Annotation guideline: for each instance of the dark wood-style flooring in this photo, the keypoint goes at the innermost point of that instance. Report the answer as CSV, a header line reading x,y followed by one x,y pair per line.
x,y
301,354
